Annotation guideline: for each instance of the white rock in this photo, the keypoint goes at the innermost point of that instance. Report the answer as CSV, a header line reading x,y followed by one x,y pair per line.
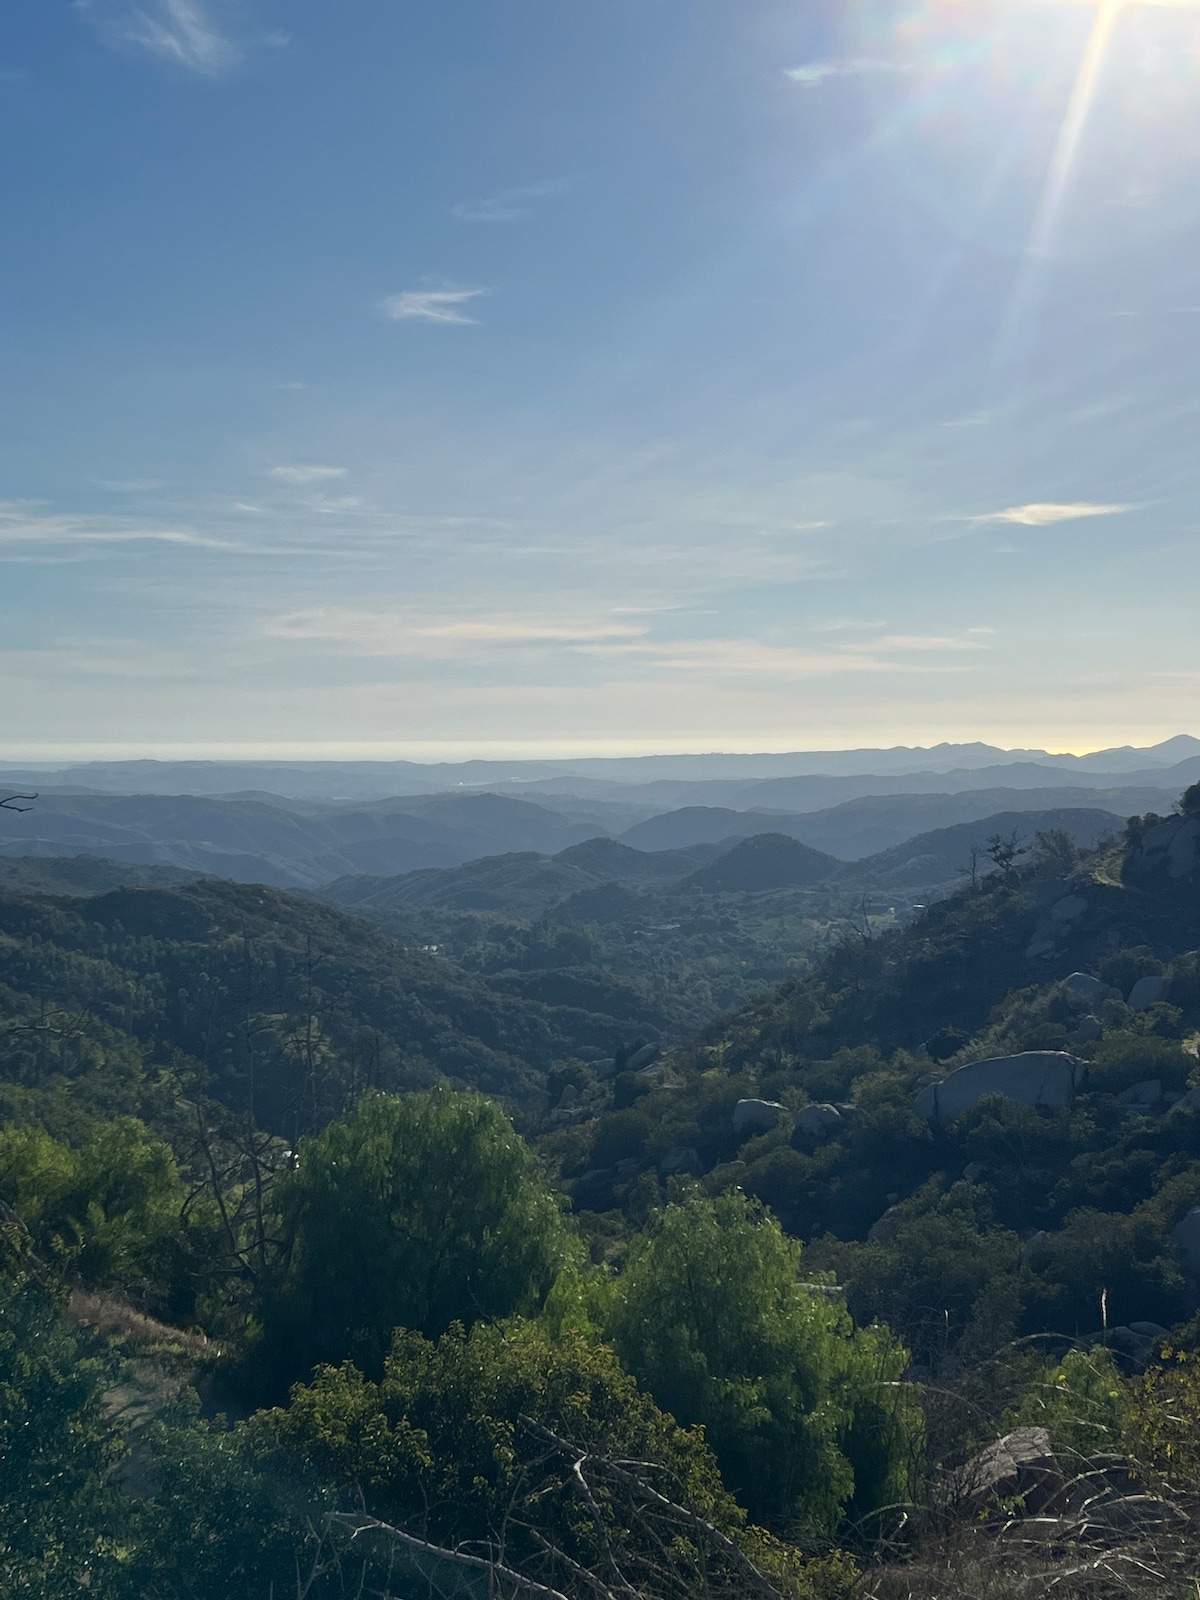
x,y
818,1121
641,1058
1147,992
760,1115
1042,946
1035,1077
1188,1102
1089,988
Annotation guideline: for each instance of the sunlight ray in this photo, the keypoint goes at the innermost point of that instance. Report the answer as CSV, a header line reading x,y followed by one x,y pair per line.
x,y
1058,177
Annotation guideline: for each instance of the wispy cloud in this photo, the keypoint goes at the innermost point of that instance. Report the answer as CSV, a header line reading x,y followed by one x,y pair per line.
x,y
812,74
752,657
26,522
432,305
404,633
511,205
181,32
307,474
1041,514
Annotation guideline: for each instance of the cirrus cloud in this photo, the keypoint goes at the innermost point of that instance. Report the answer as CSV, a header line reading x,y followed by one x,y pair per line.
x,y
432,305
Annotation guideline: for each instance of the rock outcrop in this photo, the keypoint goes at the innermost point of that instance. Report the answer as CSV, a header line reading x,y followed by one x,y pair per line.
x,y
818,1121
1147,992
1173,845
1035,1078
756,1116
1088,988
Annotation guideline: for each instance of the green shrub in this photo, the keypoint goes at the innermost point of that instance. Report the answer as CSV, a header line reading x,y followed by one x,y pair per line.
x,y
808,1416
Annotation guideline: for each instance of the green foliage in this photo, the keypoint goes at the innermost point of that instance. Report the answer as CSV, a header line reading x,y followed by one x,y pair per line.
x,y
109,1211
808,1416
932,1269
414,1212
230,1517
1164,1417
1081,1399
456,1443
61,1521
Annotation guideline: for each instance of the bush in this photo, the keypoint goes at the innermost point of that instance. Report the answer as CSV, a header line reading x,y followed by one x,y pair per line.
x,y
808,1416
456,1444
61,1520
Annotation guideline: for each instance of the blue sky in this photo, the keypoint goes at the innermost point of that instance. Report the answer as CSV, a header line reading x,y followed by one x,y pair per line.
x,y
407,378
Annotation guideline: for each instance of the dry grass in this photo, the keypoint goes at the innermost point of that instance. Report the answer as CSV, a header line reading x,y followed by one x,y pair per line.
x,y
115,1319
1052,1558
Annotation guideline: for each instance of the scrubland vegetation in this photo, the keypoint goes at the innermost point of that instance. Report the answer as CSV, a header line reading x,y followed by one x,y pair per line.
x,y
330,1267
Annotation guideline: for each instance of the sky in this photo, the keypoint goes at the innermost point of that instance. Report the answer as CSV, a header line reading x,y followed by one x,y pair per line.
x,y
437,378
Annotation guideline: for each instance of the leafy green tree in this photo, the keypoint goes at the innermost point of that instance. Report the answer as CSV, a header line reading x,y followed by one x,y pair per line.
x,y
415,1212
109,1211
808,1416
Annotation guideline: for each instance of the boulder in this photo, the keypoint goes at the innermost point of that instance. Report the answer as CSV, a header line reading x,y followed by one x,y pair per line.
x,y
1036,1078
1147,992
1173,844
1187,1102
1089,988
641,1058
756,1116
1185,1236
1040,947
1147,1093
818,1121
627,1169
1021,1466
1068,909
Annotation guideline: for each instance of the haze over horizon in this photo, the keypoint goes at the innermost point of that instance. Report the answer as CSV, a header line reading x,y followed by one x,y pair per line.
x,y
464,381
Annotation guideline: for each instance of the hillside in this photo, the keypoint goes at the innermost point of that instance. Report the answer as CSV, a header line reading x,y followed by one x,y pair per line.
x,y
925,1222
945,856
765,861
271,1003
256,841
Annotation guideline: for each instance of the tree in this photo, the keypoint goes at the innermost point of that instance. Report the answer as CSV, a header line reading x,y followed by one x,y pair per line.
x,y
808,1416
108,1211
1004,851
415,1212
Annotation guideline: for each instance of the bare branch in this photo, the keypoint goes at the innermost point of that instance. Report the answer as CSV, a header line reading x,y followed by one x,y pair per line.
x,y
10,802
721,1540
357,1525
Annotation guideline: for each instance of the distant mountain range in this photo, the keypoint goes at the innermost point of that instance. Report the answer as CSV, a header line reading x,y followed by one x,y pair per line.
x,y
305,846
344,781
